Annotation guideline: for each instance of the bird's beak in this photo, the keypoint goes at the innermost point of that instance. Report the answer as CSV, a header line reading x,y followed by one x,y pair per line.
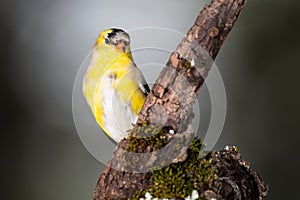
x,y
122,46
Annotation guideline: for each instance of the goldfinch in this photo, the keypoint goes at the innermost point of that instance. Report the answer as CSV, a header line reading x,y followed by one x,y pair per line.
x,y
113,86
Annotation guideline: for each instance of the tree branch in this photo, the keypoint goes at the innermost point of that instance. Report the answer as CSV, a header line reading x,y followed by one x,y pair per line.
x,y
202,44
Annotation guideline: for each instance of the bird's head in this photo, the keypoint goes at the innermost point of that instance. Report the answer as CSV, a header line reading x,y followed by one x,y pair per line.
x,y
116,38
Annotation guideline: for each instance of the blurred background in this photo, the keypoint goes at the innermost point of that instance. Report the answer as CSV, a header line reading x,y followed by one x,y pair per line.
x,y
44,42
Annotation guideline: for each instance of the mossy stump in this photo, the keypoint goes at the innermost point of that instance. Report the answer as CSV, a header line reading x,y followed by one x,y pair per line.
x,y
214,175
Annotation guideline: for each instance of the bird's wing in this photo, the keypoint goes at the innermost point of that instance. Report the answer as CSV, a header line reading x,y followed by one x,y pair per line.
x,y
142,84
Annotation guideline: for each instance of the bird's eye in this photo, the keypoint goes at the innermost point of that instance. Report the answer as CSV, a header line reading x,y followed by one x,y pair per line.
x,y
106,41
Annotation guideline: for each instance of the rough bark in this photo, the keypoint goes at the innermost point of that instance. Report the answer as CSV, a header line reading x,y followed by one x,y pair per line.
x,y
236,180
178,84
171,99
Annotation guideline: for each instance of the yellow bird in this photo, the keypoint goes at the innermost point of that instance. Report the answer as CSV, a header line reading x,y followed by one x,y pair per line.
x,y
113,86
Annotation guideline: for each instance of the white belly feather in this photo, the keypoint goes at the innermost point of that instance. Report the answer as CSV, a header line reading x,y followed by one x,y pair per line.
x,y
117,115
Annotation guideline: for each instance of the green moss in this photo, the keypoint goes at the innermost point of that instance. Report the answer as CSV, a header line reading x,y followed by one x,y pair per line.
x,y
138,194
148,137
178,180
141,139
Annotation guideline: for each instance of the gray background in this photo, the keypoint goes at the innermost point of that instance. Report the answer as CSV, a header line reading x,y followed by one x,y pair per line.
x,y
44,42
